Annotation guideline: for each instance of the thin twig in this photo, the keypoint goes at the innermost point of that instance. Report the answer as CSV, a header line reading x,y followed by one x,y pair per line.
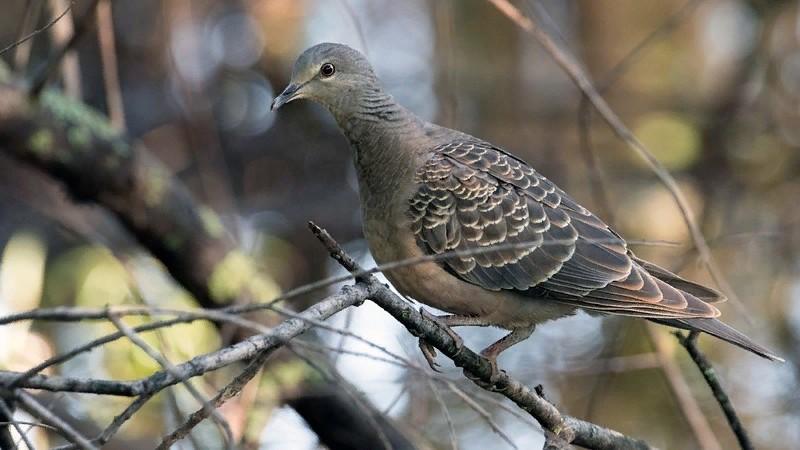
x,y
245,349
169,367
42,76
7,412
22,50
231,390
32,34
117,423
33,407
332,376
348,321
446,411
709,374
475,406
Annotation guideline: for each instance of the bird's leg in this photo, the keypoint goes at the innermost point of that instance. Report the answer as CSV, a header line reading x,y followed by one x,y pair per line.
x,y
491,352
446,322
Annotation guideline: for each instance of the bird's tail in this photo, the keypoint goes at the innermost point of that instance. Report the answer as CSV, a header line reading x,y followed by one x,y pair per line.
x,y
722,331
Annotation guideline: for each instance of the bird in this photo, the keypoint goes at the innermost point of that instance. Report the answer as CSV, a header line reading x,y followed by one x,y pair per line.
x,y
501,244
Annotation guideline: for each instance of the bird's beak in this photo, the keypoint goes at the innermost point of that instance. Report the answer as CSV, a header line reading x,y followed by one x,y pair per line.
x,y
288,94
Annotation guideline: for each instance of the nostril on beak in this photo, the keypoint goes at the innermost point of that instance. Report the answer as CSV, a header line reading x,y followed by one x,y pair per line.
x,y
285,97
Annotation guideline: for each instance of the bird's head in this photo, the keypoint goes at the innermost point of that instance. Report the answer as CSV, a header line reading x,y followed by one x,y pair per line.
x,y
329,74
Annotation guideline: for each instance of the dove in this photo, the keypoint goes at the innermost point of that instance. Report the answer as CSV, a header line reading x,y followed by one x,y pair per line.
x,y
506,247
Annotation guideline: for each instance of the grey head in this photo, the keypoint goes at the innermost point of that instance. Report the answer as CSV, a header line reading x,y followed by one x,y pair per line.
x,y
333,75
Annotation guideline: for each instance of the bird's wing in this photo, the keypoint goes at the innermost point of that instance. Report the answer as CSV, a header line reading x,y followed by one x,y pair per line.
x,y
473,197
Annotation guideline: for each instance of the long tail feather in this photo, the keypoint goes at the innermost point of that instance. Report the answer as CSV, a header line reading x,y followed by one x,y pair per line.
x,y
722,331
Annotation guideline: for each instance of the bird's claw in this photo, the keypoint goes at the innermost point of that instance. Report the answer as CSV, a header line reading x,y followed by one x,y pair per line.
x,y
429,353
459,343
494,378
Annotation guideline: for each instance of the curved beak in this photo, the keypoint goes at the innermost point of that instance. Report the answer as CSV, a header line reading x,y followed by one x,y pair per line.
x,y
288,94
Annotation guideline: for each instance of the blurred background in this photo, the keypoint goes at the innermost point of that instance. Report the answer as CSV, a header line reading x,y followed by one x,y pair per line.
x,y
712,87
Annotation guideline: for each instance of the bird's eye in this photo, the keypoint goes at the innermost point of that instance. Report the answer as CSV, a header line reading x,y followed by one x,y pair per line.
x,y
327,70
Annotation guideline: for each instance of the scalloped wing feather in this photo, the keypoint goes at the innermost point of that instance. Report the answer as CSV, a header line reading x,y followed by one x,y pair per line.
x,y
513,229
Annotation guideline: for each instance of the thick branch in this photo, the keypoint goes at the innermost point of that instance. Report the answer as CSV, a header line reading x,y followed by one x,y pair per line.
x,y
78,146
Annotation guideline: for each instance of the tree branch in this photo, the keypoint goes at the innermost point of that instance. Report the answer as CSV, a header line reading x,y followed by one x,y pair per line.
x,y
564,427
241,351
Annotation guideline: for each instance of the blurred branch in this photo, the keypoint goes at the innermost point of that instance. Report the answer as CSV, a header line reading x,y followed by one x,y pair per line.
x,y
479,369
76,145
689,342
579,77
343,427
475,406
596,178
108,60
62,32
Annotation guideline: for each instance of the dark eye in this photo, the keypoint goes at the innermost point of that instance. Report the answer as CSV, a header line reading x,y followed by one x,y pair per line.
x,y
327,70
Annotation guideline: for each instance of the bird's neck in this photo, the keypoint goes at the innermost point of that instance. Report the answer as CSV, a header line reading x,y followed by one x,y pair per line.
x,y
387,141
374,115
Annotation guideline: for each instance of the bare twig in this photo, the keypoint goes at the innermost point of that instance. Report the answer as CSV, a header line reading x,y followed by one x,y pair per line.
x,y
475,406
42,76
33,33
172,370
690,343
348,321
231,390
446,412
33,407
6,441
370,414
23,44
117,423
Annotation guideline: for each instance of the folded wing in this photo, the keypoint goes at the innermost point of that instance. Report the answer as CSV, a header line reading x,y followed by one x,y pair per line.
x,y
510,228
